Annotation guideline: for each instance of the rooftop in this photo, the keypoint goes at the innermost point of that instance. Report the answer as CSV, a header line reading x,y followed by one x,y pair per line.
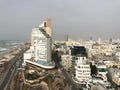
x,y
49,65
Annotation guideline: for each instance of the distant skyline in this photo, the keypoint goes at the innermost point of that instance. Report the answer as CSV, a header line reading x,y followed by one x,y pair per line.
x,y
77,18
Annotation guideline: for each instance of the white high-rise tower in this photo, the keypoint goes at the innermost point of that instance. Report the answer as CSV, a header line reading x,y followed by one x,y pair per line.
x,y
41,42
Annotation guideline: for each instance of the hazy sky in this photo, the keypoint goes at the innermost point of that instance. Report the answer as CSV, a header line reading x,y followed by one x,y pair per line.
x,y
78,18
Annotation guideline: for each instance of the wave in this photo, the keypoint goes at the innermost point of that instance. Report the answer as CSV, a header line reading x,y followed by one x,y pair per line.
x,y
3,49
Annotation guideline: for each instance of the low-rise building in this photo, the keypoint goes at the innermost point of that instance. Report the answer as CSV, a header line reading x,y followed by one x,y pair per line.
x,y
117,55
116,78
66,61
82,70
102,70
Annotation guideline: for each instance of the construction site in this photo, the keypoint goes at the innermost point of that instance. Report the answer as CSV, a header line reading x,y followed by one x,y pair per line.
x,y
35,78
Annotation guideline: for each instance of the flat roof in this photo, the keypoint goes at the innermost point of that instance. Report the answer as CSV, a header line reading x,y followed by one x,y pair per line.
x,y
40,65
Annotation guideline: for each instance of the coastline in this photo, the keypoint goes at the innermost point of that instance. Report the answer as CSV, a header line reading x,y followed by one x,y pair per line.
x,y
9,63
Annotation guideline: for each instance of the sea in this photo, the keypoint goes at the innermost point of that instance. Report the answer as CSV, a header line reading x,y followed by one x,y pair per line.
x,y
7,45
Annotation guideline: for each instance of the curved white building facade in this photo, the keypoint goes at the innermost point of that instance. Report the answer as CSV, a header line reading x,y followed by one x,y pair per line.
x,y
82,70
40,51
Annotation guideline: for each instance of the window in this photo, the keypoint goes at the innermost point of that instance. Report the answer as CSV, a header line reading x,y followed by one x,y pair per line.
x,y
83,58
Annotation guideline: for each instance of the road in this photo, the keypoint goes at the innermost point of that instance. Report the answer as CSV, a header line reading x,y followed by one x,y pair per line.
x,y
11,70
73,85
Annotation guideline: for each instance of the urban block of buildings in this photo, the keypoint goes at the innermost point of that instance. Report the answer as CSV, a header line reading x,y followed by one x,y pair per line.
x,y
78,56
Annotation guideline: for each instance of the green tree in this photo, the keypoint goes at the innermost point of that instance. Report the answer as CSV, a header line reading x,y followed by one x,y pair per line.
x,y
93,70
